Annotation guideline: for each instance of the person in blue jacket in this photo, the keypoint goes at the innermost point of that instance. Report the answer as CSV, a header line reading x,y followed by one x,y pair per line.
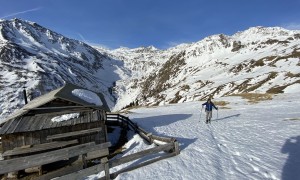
x,y
208,109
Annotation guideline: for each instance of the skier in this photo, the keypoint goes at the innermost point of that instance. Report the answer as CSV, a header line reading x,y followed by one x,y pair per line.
x,y
208,109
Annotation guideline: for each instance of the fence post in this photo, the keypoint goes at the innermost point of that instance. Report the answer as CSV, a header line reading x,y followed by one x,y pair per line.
x,y
176,147
106,168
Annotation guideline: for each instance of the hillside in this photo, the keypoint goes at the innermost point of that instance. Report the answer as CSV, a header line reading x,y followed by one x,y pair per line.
x,y
244,140
260,59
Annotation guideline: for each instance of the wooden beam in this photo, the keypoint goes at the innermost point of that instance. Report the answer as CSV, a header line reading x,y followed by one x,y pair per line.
x,y
61,107
60,172
140,154
130,168
39,147
20,163
97,154
74,133
79,175
16,164
78,151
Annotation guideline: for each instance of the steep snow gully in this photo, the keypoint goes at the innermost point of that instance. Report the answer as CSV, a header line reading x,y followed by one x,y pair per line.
x,y
247,141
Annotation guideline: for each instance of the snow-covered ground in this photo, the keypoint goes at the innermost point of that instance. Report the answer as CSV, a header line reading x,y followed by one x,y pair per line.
x,y
246,141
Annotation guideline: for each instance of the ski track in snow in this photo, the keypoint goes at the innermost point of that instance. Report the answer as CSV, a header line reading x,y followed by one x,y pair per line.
x,y
245,142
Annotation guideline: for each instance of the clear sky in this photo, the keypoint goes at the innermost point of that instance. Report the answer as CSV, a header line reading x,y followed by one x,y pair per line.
x,y
161,23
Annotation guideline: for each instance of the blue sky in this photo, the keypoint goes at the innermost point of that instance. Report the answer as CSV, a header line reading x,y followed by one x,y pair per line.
x,y
161,23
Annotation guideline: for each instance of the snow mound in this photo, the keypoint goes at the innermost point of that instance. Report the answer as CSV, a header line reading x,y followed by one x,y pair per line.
x,y
87,96
65,117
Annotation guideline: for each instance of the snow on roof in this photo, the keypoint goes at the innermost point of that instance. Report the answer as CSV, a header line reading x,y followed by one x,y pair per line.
x,y
65,117
87,96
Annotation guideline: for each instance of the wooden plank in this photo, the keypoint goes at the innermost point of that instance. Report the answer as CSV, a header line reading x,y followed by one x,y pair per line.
x,y
28,123
75,133
16,164
78,151
164,139
79,175
6,126
97,154
61,107
33,124
131,157
41,122
21,124
130,168
14,125
61,172
39,147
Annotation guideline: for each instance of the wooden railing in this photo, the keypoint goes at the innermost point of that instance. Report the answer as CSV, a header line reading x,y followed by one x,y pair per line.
x,y
123,121
168,145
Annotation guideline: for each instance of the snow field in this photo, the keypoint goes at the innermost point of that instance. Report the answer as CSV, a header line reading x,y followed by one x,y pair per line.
x,y
247,141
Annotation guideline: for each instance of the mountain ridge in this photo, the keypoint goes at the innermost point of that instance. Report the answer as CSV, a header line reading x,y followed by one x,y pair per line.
x,y
257,60
258,52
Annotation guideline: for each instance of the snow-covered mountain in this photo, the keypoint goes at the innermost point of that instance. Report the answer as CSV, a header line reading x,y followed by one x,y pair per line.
x,y
41,60
260,59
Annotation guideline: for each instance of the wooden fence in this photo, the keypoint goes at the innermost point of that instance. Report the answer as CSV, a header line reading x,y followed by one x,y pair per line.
x,y
168,145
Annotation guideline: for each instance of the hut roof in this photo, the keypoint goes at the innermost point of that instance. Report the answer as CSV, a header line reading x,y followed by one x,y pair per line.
x,y
41,122
74,95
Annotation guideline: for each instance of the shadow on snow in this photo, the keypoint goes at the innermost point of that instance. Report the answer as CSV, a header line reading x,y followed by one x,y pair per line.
x,y
227,117
150,123
291,169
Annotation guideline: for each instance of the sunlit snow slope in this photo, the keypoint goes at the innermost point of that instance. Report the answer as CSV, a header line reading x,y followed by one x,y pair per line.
x,y
246,141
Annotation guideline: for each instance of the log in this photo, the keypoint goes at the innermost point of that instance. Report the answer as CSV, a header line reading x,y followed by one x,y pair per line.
x,y
140,154
74,133
115,174
79,175
38,148
97,154
61,172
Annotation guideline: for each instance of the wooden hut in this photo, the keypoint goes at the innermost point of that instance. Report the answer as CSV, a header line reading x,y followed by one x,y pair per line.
x,y
69,114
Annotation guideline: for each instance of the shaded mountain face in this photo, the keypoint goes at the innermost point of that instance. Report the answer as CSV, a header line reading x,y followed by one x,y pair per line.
x,y
41,60
258,60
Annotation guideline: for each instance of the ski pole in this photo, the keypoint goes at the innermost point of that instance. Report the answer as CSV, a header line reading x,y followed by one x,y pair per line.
x,y
218,113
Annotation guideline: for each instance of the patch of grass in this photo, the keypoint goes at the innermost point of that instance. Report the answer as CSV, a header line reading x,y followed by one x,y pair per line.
x,y
279,89
271,76
222,104
291,75
255,97
291,119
